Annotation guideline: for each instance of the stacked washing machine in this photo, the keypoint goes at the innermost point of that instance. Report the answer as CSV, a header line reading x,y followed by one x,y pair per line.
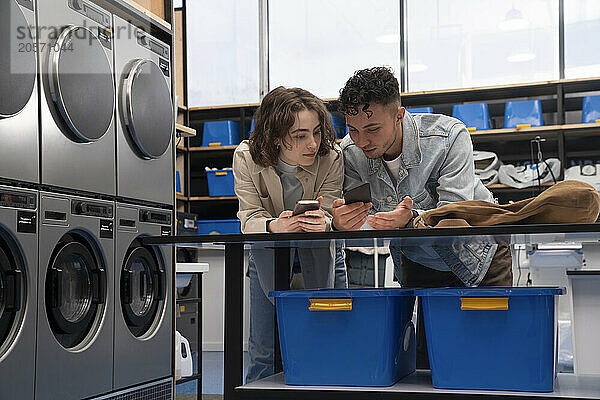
x,y
86,171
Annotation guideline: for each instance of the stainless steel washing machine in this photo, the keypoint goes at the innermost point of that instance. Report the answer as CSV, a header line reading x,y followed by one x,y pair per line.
x,y
18,291
78,100
18,89
144,295
75,301
145,116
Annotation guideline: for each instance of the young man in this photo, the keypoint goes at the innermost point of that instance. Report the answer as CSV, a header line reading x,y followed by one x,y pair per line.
x,y
413,163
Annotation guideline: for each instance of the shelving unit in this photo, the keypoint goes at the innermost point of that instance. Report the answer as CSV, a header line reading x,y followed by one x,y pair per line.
x,y
566,138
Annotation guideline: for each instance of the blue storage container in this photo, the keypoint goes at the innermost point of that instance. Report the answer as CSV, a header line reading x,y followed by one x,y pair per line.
x,y
339,126
492,337
178,189
523,113
591,109
474,116
221,133
346,337
420,110
220,182
218,226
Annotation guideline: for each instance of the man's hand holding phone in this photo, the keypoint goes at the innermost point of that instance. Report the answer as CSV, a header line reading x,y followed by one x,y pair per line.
x,y
350,213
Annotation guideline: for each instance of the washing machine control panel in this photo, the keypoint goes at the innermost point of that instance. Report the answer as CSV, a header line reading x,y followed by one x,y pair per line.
x,y
12,199
91,11
155,217
153,45
91,209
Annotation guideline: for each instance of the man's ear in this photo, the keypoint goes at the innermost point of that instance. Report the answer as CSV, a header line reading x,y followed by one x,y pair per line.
x,y
400,114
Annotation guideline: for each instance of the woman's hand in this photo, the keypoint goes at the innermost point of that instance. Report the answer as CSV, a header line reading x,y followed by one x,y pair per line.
x,y
285,223
314,220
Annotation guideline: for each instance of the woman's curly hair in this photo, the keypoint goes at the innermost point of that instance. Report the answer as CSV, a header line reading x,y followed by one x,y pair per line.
x,y
276,116
376,85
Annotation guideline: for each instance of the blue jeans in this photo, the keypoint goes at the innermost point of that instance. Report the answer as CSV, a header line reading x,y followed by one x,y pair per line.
x,y
262,328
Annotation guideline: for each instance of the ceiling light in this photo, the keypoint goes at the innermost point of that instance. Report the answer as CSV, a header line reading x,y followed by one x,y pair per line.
x,y
513,21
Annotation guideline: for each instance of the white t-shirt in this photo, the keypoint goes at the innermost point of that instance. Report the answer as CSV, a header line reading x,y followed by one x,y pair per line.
x,y
393,167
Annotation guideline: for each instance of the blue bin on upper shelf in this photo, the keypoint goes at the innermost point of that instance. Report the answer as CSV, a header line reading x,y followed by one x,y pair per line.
x,y
346,337
220,182
475,116
251,127
339,126
420,110
221,133
591,109
522,114
492,338
218,226
178,190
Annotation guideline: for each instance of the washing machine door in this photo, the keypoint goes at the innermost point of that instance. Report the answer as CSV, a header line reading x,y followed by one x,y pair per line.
x,y
142,290
81,83
10,294
75,291
17,60
147,108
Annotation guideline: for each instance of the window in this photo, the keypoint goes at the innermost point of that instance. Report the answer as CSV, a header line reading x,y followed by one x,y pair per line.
x,y
468,43
582,28
317,45
222,45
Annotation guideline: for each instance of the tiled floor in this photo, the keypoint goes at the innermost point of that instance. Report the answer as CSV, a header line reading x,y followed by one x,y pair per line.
x,y
212,375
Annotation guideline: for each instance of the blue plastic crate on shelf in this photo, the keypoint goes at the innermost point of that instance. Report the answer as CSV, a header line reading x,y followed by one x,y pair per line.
x,y
492,338
347,337
220,182
221,133
218,226
522,114
475,115
339,126
420,110
591,109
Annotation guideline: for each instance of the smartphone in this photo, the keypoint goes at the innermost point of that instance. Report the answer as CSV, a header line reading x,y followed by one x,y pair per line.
x,y
306,205
359,193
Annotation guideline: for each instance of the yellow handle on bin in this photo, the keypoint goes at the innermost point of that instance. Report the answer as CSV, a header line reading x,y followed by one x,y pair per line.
x,y
214,144
330,305
598,121
221,173
472,128
520,126
484,303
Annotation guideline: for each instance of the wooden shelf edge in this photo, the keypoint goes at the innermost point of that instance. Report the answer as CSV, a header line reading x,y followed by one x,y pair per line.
x,y
149,14
214,148
182,198
187,132
208,198
502,186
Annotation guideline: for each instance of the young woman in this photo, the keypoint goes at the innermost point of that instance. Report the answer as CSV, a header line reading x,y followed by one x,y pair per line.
x,y
291,156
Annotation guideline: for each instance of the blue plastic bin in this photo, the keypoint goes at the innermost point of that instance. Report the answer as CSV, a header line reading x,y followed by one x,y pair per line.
x,y
591,109
523,113
346,337
420,110
221,133
220,182
492,338
218,226
339,126
178,189
475,116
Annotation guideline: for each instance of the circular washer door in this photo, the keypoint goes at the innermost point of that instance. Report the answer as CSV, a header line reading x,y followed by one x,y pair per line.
x,y
142,290
81,83
148,109
75,289
11,287
17,60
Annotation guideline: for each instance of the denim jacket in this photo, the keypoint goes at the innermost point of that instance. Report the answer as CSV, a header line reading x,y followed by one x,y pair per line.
x,y
436,169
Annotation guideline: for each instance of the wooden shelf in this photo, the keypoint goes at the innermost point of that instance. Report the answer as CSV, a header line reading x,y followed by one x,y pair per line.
x,y
208,198
181,147
184,131
182,198
149,14
531,132
182,107
214,148
506,188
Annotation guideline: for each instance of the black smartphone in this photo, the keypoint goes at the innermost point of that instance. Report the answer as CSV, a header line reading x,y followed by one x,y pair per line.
x,y
306,205
359,193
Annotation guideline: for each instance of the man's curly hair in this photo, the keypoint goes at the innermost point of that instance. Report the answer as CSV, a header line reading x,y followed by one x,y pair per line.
x,y
376,85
